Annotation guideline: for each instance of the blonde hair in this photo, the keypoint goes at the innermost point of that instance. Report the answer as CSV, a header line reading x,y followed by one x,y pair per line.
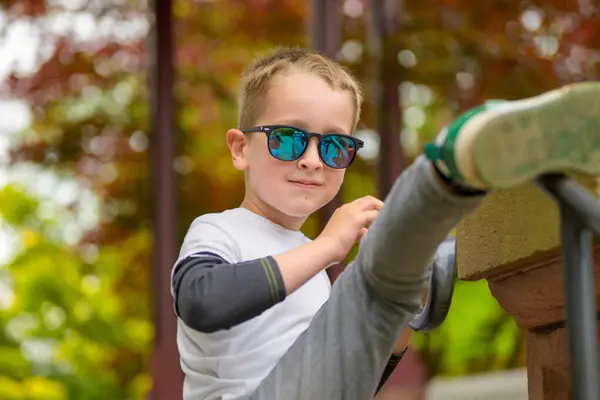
x,y
255,81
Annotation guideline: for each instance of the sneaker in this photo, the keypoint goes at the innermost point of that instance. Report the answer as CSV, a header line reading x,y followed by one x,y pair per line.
x,y
503,144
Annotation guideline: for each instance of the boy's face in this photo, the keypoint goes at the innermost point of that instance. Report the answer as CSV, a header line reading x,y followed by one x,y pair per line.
x,y
295,188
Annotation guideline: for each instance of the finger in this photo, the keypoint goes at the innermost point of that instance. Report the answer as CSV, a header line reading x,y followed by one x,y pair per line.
x,y
361,233
378,204
369,203
368,217
365,199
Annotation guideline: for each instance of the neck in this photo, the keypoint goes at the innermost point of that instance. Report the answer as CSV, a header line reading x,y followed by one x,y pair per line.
x,y
273,215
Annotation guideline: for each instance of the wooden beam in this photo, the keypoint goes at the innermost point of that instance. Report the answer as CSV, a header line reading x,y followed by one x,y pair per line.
x,y
384,84
325,28
166,370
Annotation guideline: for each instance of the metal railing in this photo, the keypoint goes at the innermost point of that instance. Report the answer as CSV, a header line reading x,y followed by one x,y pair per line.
x,y
579,217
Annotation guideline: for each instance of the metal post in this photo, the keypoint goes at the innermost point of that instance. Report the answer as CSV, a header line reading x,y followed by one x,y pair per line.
x,y
580,306
580,214
166,370
325,33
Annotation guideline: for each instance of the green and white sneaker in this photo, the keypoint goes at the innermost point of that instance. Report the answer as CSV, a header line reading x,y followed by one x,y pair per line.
x,y
503,144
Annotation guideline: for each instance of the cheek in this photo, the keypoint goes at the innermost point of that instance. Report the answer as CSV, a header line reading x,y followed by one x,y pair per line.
x,y
266,173
334,181
258,158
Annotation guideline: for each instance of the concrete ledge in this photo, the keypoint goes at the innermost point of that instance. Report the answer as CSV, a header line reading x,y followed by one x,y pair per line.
x,y
504,385
512,228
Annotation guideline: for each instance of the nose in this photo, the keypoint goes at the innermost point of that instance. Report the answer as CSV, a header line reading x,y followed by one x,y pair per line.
x,y
310,159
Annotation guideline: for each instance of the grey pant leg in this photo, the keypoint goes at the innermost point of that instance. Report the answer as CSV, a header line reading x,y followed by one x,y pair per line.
x,y
344,351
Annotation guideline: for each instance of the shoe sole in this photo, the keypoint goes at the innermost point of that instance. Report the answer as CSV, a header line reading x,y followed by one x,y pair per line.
x,y
558,131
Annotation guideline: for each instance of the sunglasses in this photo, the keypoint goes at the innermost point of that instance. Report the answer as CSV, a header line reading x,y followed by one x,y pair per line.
x,y
287,143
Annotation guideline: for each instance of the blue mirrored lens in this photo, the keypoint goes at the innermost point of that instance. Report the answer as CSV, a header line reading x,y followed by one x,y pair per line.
x,y
287,144
337,151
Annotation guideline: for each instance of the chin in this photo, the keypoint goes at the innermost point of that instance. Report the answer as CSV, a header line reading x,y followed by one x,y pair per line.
x,y
299,212
301,209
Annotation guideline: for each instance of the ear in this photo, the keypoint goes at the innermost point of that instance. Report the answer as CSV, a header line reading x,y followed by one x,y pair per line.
x,y
237,143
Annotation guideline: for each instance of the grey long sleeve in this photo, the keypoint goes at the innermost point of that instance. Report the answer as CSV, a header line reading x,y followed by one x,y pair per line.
x,y
211,294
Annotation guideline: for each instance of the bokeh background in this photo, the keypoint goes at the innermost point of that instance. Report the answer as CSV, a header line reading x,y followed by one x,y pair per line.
x,y
76,200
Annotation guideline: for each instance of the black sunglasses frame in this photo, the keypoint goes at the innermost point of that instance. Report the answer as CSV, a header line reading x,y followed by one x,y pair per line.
x,y
268,129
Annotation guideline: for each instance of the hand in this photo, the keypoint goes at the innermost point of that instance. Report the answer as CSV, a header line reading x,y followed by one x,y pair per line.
x,y
403,341
348,225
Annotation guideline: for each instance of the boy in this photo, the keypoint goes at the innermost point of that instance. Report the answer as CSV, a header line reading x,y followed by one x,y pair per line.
x,y
256,318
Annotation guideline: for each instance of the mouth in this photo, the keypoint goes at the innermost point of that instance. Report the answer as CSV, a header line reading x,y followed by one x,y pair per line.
x,y
305,184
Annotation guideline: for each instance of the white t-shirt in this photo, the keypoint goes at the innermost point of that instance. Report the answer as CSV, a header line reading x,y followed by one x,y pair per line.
x,y
231,363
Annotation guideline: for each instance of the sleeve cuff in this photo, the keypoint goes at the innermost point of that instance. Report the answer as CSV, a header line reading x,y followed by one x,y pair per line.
x,y
396,357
